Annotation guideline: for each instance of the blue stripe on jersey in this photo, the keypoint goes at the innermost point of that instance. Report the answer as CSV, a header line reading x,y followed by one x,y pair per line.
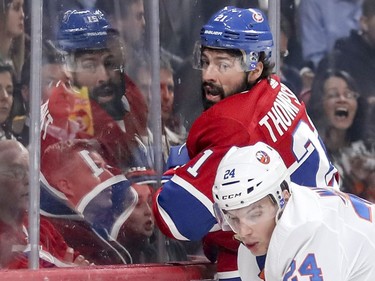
x,y
190,216
361,207
261,260
51,204
305,174
230,279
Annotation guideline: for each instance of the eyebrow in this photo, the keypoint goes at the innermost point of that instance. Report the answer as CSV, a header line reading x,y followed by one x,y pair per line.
x,y
220,56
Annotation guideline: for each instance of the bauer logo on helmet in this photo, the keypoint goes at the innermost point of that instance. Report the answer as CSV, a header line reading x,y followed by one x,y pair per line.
x,y
212,32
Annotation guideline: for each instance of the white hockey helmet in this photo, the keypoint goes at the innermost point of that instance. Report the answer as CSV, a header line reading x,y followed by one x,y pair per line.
x,y
246,175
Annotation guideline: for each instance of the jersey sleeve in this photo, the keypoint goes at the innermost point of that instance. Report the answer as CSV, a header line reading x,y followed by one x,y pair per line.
x,y
183,205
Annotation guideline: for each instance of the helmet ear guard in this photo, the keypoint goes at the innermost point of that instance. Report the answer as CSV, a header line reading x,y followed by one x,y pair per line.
x,y
246,175
250,60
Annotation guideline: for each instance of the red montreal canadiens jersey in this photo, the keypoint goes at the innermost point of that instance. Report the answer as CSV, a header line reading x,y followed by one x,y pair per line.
x,y
270,113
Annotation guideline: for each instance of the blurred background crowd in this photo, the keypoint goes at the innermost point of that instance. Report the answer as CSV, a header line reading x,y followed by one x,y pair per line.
x,y
97,99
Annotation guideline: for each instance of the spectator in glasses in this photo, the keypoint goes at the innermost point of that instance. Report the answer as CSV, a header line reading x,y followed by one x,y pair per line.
x,y
336,108
14,198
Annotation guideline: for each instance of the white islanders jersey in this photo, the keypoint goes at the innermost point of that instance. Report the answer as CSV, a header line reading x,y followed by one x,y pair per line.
x,y
322,235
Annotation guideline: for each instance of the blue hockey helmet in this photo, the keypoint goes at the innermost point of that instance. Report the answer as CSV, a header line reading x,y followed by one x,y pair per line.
x,y
82,30
246,30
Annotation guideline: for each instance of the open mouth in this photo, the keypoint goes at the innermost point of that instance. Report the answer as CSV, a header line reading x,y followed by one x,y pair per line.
x,y
211,91
105,99
251,246
342,112
149,225
212,94
105,93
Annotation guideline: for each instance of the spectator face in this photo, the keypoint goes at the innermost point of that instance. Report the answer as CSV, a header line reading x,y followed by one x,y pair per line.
x,y
133,26
339,103
140,224
254,224
222,75
16,16
14,180
61,101
167,93
51,74
6,95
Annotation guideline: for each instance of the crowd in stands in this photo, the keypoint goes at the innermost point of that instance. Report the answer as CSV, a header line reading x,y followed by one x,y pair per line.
x,y
97,146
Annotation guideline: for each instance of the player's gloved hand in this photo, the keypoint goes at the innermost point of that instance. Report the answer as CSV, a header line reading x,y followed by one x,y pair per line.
x,y
178,156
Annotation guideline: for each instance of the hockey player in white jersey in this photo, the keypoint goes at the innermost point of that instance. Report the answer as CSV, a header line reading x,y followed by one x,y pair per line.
x,y
307,233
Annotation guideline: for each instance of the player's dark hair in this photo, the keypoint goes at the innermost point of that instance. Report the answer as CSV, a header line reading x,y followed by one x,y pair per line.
x,y
284,185
267,66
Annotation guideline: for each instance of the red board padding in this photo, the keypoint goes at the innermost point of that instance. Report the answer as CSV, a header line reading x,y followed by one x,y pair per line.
x,y
139,272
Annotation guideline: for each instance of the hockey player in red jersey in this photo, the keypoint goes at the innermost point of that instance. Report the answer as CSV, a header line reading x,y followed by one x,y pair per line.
x,y
116,110
244,104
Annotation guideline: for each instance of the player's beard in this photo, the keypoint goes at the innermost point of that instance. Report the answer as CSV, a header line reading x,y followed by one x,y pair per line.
x,y
218,90
113,105
109,96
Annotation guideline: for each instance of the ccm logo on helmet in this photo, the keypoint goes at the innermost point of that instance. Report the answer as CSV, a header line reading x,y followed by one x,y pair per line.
x,y
231,196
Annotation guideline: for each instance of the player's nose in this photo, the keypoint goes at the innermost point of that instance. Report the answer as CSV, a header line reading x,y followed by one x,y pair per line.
x,y
209,73
244,230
